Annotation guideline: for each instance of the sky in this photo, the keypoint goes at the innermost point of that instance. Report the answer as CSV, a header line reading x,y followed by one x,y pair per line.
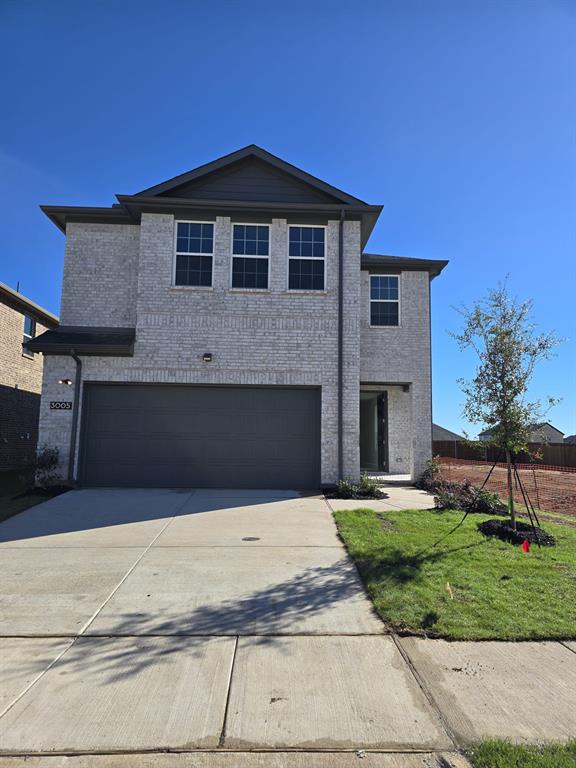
x,y
458,116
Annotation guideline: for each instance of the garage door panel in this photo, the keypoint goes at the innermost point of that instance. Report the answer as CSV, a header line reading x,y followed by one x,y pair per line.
x,y
157,435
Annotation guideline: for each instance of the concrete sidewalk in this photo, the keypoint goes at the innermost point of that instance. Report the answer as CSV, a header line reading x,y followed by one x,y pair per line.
x,y
218,620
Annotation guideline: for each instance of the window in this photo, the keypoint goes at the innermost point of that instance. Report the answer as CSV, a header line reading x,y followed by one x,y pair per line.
x,y
29,333
384,300
194,253
306,252
250,252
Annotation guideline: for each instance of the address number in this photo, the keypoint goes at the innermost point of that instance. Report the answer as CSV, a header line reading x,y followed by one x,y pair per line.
x,y
60,405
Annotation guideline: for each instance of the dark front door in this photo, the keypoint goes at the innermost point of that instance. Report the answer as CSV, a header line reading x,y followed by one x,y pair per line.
x,y
185,436
374,431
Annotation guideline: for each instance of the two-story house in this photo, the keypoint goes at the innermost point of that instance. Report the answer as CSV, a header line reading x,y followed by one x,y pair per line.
x,y
225,328
20,376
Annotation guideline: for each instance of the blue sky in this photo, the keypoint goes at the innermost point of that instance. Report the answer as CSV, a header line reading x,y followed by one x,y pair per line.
x,y
458,116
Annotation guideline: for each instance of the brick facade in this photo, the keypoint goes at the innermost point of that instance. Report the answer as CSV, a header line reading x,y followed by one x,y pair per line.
x,y
20,387
271,337
398,356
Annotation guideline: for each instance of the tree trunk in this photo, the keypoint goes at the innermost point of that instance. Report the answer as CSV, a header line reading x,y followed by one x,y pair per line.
x,y
511,509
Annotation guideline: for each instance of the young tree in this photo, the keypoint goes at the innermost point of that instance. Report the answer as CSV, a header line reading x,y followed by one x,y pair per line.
x,y
501,331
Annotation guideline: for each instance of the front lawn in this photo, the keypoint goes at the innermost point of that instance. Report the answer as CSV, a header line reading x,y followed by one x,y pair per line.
x,y
15,495
467,587
501,754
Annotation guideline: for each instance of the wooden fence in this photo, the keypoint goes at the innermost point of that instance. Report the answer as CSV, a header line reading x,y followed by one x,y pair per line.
x,y
553,454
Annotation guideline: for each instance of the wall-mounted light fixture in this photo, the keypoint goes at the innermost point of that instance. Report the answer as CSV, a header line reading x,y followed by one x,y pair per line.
x,y
405,387
207,357
68,382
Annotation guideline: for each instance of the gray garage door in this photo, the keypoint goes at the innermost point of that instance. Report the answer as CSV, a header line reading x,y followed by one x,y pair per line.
x,y
219,437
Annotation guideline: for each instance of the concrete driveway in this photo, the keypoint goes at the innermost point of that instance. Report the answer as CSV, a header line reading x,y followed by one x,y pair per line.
x,y
138,619
135,620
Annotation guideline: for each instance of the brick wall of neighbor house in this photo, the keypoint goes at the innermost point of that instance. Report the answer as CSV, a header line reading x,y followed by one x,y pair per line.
x,y
20,385
402,355
259,338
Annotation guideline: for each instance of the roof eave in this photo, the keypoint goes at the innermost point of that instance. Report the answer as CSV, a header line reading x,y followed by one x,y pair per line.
x,y
61,215
26,305
403,263
88,350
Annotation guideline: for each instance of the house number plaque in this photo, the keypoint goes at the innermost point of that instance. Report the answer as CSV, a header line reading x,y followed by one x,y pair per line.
x,y
60,405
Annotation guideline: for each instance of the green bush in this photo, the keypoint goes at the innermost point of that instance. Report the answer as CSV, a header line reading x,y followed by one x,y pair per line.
x,y
468,498
366,488
432,475
42,470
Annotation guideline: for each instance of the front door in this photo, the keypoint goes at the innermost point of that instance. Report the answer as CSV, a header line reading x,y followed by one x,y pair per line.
x,y
374,431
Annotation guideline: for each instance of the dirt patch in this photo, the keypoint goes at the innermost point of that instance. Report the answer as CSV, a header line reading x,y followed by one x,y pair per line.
x,y
550,489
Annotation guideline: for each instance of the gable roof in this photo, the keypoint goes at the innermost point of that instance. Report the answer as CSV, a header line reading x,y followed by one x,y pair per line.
x,y
226,163
250,181
441,433
21,303
532,427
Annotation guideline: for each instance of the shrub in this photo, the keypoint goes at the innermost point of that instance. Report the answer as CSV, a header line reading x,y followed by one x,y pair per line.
x,y
468,498
432,475
43,468
366,488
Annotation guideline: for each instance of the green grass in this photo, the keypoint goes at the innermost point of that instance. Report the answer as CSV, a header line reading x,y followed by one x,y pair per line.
x,y
14,494
501,754
498,592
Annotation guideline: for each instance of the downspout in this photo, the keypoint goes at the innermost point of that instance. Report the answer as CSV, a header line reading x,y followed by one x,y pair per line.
x,y
341,346
77,382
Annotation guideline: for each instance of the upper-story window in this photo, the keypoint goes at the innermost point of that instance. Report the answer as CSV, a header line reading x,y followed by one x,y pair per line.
x,y
384,300
250,255
194,253
28,334
306,258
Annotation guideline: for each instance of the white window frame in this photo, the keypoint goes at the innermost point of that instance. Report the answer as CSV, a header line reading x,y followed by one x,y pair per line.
x,y
26,336
384,301
308,258
182,253
246,256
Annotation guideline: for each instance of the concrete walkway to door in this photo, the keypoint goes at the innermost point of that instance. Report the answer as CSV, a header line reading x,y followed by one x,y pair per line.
x,y
136,620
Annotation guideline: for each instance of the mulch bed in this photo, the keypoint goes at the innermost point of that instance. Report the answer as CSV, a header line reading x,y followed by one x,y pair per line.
x,y
503,530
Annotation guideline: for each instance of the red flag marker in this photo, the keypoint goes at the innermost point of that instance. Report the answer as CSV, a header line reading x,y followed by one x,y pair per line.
x,y
526,546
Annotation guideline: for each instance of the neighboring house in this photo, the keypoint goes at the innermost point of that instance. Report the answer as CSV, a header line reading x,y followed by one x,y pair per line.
x,y
20,376
539,433
570,440
224,328
441,433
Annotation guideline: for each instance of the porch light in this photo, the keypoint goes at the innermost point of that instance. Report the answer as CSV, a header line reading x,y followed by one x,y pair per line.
x,y
68,382
207,357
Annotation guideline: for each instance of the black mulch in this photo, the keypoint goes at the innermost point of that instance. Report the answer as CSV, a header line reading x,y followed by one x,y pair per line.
x,y
503,530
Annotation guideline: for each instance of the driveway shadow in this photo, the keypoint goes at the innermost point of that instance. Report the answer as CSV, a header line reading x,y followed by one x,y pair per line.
x,y
264,614
92,509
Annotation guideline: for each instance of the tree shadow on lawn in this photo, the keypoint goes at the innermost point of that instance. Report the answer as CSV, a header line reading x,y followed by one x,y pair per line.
x,y
397,567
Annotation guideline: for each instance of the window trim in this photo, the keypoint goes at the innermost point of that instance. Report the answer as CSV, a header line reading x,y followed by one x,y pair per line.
x,y
251,256
177,253
306,290
382,301
26,337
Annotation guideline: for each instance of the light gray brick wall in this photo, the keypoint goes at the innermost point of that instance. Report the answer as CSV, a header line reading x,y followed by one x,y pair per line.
x,y
100,273
55,427
123,275
273,337
402,355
